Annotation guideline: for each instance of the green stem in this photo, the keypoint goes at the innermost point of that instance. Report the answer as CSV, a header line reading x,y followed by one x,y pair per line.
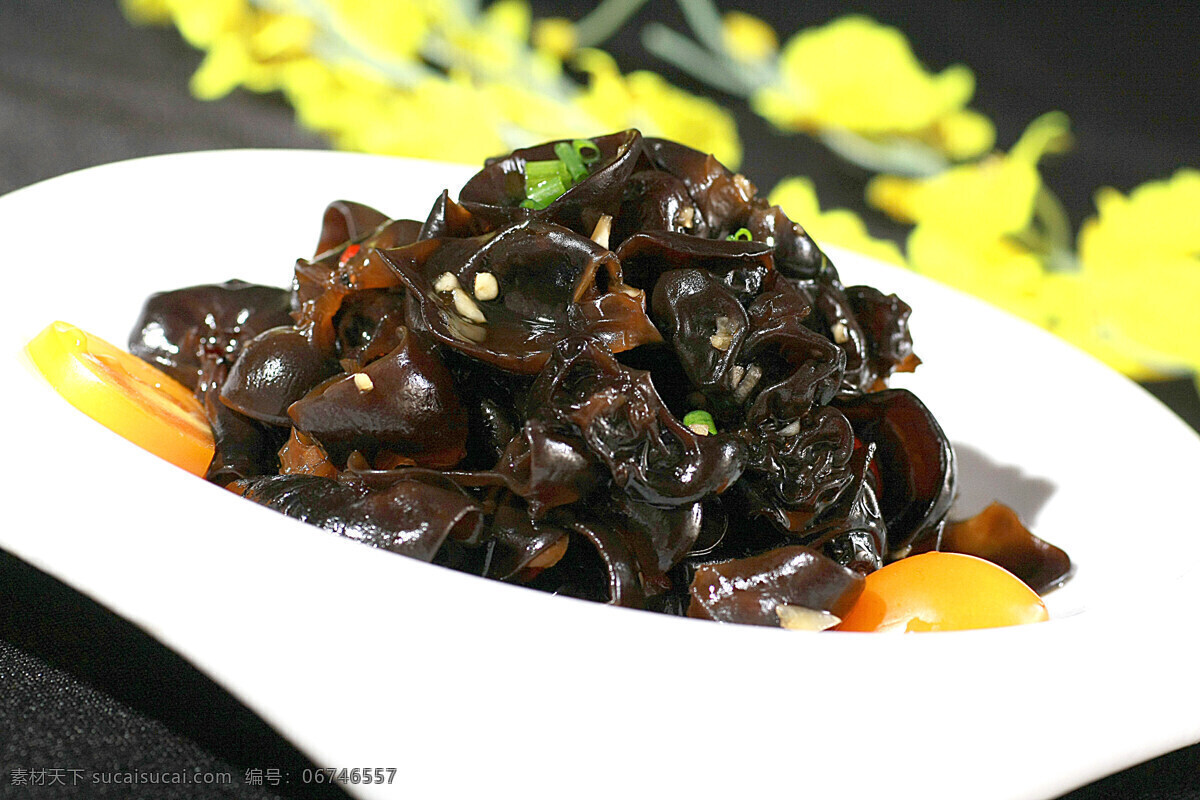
x,y
1048,211
896,156
681,52
604,20
705,21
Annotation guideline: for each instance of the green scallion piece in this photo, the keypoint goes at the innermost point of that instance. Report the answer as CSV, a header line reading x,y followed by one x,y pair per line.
x,y
543,193
538,171
700,418
742,235
545,181
571,159
588,151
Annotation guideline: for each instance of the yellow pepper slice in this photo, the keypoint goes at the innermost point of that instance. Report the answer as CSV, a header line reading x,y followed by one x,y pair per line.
x,y
125,394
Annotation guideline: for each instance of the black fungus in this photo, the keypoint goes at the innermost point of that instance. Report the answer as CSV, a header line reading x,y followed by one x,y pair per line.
x,y
530,394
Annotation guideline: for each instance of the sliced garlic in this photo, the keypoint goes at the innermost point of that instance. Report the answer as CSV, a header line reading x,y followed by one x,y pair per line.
x,y
841,334
466,307
744,186
486,286
800,618
602,231
446,282
747,383
363,381
724,335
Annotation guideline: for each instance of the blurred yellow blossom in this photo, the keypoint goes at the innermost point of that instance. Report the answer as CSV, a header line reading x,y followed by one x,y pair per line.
x,y
146,12
980,201
646,101
997,269
987,228
962,134
555,36
839,227
434,80
857,76
1140,263
747,38
1158,223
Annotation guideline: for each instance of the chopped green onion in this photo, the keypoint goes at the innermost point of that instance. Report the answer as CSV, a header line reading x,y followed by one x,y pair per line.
x,y
588,151
700,418
543,193
539,171
742,235
570,158
546,181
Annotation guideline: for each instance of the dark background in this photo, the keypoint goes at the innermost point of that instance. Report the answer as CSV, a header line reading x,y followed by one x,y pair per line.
x,y
79,86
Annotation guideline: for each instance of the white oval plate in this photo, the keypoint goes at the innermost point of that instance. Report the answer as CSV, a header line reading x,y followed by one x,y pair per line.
x,y
466,686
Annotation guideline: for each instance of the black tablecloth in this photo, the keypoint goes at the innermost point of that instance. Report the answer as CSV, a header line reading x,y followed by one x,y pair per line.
x,y
87,697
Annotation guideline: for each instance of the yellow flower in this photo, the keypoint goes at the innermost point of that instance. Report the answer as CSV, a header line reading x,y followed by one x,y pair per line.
x,y
1158,223
747,38
457,105
645,100
838,226
856,75
202,22
429,79
494,46
555,36
391,31
975,226
147,12
995,269
962,134
1140,259
983,200
250,50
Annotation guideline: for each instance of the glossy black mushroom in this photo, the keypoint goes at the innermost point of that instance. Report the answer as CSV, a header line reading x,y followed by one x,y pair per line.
x,y
704,324
185,331
597,565
654,200
548,467
743,265
411,517
345,266
797,469
852,530
244,448
486,390
916,464
368,325
449,219
272,371
404,403
762,589
616,410
522,548
726,202
997,535
508,297
345,221
496,193
791,368
883,320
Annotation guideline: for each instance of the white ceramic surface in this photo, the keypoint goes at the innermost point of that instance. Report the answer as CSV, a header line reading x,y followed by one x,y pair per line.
x,y
469,687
